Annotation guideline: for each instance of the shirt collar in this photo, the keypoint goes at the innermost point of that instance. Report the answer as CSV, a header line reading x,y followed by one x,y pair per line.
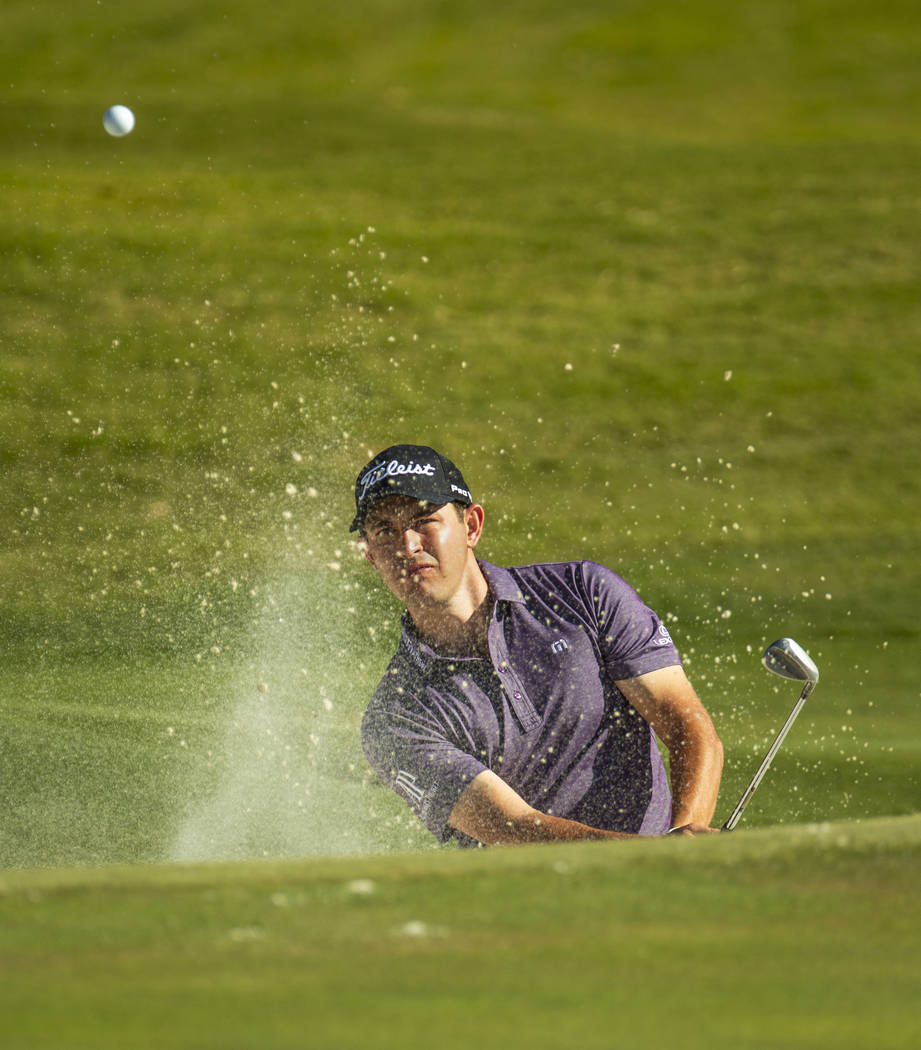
x,y
502,585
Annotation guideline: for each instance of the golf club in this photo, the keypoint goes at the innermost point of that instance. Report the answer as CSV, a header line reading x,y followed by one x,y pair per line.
x,y
789,660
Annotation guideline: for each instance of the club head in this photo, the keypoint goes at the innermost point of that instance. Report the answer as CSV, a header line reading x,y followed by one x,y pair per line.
x,y
790,660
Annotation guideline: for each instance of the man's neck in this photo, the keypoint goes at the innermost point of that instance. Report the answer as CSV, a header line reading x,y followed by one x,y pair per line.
x,y
462,626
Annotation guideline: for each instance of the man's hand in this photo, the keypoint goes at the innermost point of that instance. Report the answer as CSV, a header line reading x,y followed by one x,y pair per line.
x,y
693,829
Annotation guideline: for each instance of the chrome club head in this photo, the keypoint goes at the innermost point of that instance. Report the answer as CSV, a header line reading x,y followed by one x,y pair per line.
x,y
790,660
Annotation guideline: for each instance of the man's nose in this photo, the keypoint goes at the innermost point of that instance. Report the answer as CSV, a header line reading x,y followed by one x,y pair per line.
x,y
412,542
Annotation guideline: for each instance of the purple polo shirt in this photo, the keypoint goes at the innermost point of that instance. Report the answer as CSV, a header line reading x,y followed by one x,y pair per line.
x,y
543,713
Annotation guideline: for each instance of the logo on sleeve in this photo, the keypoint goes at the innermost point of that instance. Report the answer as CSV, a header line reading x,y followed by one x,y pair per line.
x,y
662,636
407,783
420,799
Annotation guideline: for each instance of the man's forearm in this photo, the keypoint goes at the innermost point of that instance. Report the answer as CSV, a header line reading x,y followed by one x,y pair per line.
x,y
493,813
541,827
695,771
666,699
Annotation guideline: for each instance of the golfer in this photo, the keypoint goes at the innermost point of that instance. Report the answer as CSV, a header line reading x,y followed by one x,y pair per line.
x,y
523,704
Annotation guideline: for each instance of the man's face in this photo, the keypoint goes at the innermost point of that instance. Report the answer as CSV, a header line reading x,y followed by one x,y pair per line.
x,y
419,549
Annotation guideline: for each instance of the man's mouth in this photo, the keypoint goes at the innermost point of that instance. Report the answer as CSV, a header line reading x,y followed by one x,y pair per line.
x,y
417,569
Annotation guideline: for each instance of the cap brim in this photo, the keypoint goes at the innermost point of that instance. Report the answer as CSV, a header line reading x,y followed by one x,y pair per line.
x,y
437,498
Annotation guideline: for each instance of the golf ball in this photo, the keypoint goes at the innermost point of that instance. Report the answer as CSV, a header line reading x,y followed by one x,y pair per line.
x,y
118,120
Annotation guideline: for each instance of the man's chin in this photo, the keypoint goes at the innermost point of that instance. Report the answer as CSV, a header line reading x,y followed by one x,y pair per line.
x,y
420,588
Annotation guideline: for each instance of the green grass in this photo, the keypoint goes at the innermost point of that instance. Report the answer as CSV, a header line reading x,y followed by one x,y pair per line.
x,y
649,272
750,940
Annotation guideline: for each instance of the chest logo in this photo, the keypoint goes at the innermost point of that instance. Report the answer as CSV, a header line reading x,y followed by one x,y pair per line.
x,y
559,646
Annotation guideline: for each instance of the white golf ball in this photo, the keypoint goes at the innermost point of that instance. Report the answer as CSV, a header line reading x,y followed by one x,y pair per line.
x,y
118,121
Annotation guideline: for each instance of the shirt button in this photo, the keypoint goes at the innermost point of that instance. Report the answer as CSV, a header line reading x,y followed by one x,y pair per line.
x,y
517,696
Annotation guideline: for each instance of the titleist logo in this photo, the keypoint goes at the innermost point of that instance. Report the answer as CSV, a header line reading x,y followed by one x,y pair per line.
x,y
392,469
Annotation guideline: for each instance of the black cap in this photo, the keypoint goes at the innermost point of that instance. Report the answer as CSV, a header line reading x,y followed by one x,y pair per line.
x,y
408,470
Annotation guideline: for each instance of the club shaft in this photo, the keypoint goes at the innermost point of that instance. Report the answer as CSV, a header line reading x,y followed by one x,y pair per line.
x,y
736,814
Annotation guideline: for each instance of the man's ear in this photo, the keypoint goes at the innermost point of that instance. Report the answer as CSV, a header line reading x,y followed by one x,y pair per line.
x,y
366,551
474,516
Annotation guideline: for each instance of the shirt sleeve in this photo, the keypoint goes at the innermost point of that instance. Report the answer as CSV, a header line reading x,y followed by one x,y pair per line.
x,y
410,752
632,638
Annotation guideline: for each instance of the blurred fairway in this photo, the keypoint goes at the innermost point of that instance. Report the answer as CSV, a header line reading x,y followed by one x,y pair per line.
x,y
648,271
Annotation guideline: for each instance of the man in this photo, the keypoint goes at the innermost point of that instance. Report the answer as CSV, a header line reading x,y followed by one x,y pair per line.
x,y
522,704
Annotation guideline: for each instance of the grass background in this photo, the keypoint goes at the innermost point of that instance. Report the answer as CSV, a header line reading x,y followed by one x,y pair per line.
x,y
649,273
